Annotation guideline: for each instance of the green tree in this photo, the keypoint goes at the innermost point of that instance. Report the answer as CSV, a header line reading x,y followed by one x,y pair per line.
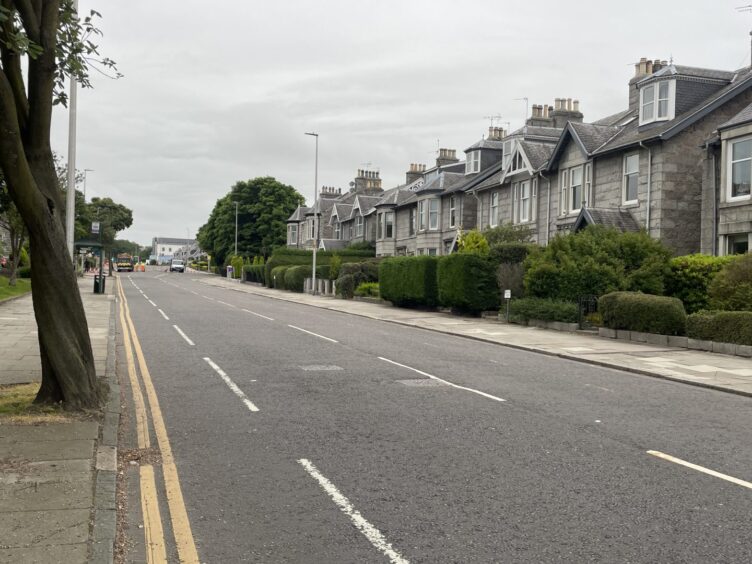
x,y
42,43
508,233
264,204
11,221
473,242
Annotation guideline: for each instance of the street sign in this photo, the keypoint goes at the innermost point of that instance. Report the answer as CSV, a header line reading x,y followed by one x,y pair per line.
x,y
95,227
507,294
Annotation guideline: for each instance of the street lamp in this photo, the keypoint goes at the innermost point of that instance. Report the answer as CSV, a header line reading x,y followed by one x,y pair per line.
x,y
315,210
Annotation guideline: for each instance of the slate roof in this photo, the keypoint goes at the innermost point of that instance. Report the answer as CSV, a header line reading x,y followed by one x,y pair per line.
x,y
366,205
321,206
496,145
299,214
695,72
608,217
745,116
537,132
617,118
444,182
593,136
343,210
537,153
332,244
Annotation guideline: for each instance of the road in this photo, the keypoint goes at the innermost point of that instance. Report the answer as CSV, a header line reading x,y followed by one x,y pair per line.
x,y
307,435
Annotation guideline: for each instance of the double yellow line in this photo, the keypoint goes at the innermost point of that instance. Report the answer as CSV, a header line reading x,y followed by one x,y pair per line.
x,y
154,533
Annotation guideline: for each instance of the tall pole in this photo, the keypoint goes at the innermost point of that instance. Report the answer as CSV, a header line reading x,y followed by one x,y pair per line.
x,y
86,170
236,228
70,200
316,222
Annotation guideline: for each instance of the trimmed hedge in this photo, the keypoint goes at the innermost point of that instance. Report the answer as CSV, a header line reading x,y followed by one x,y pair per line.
x,y
634,311
254,273
409,281
467,282
731,289
511,253
295,277
291,257
721,326
277,277
346,286
353,274
690,276
542,309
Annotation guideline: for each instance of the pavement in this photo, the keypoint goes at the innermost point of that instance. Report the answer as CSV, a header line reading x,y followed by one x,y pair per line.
x,y
57,480
716,371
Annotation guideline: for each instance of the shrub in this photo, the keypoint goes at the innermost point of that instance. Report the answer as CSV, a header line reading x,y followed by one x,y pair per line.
x,y
362,246
290,257
690,276
368,290
467,282
508,233
731,289
346,286
511,253
596,261
634,311
277,277
510,276
334,266
543,309
360,272
322,272
295,277
409,281
472,242
24,272
722,326
237,266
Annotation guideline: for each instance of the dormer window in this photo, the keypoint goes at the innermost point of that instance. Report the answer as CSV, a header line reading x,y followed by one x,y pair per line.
x,y
508,148
472,162
657,101
518,163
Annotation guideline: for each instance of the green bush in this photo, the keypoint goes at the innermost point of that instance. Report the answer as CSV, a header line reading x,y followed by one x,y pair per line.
x,y
290,257
731,289
277,277
295,277
510,276
596,261
508,233
346,286
634,311
510,253
24,272
237,266
472,242
368,290
409,281
542,309
253,273
360,272
322,272
467,282
690,276
721,326
334,266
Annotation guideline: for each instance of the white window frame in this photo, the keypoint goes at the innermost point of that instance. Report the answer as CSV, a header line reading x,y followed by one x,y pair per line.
x,y
493,216
337,230
572,205
389,222
293,236
452,211
380,226
563,191
422,215
412,227
518,163
730,171
433,214
472,162
359,221
650,95
508,149
587,192
523,213
625,179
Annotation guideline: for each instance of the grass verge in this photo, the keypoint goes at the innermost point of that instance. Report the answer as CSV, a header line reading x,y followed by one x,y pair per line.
x,y
23,285
17,406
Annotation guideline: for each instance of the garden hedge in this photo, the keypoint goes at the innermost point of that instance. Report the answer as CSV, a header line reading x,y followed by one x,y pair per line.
x,y
368,290
276,277
353,274
295,277
467,283
291,257
690,276
542,309
731,289
409,281
510,253
254,273
634,311
721,326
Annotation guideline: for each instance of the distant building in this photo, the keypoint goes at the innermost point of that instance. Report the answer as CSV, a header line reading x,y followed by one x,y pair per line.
x,y
164,248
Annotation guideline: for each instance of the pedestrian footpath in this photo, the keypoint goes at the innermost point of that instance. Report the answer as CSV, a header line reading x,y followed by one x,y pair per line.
x,y
57,479
710,370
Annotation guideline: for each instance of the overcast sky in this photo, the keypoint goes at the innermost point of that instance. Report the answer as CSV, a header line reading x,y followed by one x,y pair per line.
x,y
216,92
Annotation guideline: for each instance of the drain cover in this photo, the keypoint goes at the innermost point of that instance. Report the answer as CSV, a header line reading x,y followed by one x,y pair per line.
x,y
320,367
421,383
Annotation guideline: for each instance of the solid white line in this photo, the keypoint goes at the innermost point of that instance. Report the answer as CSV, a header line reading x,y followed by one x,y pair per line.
x,y
225,303
207,297
164,315
375,536
187,340
484,394
702,469
257,314
152,303
146,297
238,392
314,334
194,292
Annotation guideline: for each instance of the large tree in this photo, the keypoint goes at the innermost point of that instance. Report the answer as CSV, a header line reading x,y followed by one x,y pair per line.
x,y
42,43
264,204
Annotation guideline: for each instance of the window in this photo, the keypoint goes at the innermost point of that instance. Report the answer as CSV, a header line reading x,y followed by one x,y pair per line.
x,y
740,170
293,234
433,214
412,221
524,212
575,189
452,211
359,226
631,174
472,162
657,101
494,219
588,193
379,229
737,244
508,148
448,246
431,252
422,215
518,163
337,230
563,191
389,225
169,250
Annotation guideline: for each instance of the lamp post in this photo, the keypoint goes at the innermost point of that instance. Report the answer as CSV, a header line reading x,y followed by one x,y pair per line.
x,y
315,210
70,199
236,228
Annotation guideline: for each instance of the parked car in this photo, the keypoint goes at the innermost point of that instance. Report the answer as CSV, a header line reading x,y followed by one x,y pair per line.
x,y
177,266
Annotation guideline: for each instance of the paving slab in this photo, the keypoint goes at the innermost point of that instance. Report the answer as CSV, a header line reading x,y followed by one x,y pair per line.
x,y
43,528
46,450
56,554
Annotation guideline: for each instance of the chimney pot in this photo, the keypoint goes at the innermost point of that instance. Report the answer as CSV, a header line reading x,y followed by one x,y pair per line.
x,y
569,104
576,105
649,67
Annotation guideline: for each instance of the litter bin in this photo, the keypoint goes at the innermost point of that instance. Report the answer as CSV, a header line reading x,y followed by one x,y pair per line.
x,y
99,282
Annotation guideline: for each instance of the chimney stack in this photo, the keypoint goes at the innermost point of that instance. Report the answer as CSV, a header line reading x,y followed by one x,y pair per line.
x,y
415,172
446,156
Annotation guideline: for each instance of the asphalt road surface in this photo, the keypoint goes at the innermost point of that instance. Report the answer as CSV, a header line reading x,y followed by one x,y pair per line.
x,y
305,435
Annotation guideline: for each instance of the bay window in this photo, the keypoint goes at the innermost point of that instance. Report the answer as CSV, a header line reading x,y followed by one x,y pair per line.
x,y
740,170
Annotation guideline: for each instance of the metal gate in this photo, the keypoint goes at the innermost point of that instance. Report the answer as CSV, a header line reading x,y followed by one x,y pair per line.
x,y
586,305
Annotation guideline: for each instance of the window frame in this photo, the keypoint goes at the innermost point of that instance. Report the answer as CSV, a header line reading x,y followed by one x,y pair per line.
x,y
563,191
452,211
433,214
655,99
524,203
625,180
411,219
472,162
359,225
337,230
292,237
571,202
730,170
422,223
380,226
389,225
493,209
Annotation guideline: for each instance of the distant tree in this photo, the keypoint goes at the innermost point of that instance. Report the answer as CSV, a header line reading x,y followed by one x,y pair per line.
x,y
11,221
42,44
508,233
264,204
